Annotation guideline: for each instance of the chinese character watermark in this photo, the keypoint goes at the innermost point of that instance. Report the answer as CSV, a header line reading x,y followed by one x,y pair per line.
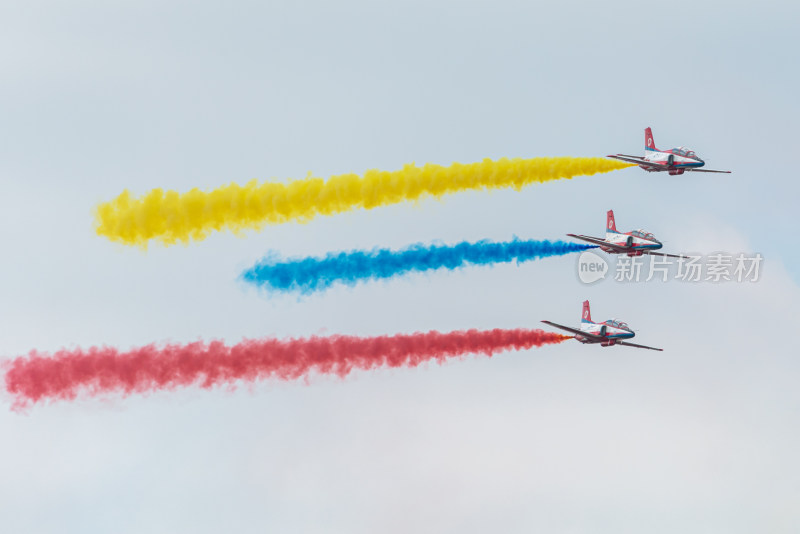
x,y
718,267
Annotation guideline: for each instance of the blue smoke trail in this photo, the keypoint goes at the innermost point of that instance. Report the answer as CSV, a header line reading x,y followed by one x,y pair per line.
x,y
307,275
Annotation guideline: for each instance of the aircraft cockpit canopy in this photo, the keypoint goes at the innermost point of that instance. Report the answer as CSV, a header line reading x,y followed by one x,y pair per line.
x,y
618,324
643,234
683,151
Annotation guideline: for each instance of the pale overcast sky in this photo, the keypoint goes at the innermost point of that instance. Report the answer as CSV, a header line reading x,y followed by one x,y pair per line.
x,y
96,97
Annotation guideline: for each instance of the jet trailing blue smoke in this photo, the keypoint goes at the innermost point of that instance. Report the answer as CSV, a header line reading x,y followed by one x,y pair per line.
x,y
306,275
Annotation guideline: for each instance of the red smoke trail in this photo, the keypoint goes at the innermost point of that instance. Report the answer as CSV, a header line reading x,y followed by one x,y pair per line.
x,y
34,378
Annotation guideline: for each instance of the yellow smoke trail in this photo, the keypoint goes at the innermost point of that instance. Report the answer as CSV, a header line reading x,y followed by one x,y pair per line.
x,y
170,217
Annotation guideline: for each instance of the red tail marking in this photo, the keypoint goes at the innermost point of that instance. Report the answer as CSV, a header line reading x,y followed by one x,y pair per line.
x,y
587,314
648,139
610,224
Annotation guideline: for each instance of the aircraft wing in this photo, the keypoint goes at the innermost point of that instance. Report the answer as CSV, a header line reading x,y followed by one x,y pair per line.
x,y
637,346
706,170
596,337
620,248
575,331
638,160
599,242
629,157
667,255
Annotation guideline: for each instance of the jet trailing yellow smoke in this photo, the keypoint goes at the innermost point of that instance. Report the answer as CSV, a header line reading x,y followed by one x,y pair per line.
x,y
172,217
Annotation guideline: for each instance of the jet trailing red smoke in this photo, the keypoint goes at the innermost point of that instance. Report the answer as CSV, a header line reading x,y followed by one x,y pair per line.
x,y
68,374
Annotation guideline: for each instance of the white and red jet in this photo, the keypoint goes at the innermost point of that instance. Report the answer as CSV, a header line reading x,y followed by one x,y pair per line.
x,y
674,161
607,333
634,243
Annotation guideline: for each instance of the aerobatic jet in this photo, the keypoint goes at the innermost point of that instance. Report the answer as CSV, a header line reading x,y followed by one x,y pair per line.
x,y
607,333
634,243
674,161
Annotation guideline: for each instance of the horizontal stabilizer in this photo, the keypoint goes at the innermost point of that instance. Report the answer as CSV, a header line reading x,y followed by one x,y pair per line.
x,y
600,242
575,331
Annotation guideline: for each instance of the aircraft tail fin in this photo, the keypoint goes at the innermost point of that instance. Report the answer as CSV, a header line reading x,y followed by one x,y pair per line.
x,y
649,143
586,317
611,225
